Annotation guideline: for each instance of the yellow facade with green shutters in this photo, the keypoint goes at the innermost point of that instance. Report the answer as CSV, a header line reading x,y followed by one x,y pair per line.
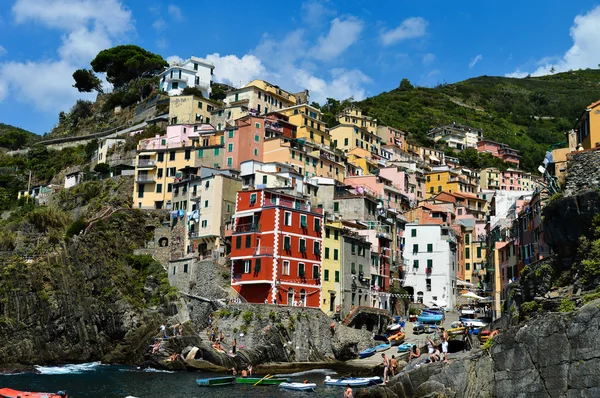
x,y
331,264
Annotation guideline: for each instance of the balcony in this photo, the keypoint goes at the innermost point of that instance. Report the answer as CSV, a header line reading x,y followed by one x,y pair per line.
x,y
249,227
143,179
146,164
262,251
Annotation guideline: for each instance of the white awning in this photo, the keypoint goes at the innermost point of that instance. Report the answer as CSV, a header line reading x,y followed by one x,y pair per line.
x,y
245,213
463,283
432,157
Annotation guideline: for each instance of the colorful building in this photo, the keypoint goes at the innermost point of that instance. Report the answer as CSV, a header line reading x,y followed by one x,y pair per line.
x,y
392,137
246,140
260,97
450,180
309,124
354,116
189,109
276,249
349,136
332,268
499,150
160,161
587,127
202,201
456,136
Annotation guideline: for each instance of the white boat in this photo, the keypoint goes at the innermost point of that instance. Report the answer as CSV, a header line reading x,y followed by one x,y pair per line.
x,y
473,322
394,327
298,386
353,381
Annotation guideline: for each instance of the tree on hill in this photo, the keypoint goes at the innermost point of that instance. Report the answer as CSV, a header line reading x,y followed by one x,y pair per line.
x,y
405,85
86,81
123,64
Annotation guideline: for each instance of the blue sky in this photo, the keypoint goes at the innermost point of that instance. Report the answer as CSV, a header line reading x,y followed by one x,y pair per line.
x,y
335,49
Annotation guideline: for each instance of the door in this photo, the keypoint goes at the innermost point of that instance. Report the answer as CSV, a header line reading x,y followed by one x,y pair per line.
x,y
303,298
331,302
290,296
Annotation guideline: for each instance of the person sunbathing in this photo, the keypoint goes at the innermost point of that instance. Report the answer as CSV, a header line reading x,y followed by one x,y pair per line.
x,y
415,353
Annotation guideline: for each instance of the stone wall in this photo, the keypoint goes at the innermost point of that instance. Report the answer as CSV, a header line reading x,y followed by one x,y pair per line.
x,y
583,171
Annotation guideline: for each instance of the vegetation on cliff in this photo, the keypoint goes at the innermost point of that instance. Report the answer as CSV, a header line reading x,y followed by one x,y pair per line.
x,y
13,138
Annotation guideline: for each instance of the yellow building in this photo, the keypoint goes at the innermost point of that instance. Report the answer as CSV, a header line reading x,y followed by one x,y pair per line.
x,y
362,159
490,178
354,116
160,161
310,125
348,137
474,255
260,97
308,159
332,268
587,127
449,180
189,109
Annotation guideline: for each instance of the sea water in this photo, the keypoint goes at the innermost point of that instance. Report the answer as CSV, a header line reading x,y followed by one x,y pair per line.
x,y
94,380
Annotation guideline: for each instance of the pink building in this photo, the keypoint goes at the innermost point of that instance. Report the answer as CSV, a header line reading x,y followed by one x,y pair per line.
x,y
178,135
245,140
382,188
499,150
391,136
405,181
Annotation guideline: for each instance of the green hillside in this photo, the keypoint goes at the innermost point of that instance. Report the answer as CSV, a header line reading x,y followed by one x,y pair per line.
x,y
12,137
528,114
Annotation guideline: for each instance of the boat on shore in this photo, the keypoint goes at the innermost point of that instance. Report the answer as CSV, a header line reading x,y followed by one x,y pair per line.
x,y
396,339
430,318
275,381
216,381
367,353
10,393
383,347
405,347
298,386
353,381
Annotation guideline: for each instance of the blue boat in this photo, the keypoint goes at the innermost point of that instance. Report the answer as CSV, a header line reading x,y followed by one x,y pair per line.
x,y
216,381
352,381
383,347
430,318
369,352
405,347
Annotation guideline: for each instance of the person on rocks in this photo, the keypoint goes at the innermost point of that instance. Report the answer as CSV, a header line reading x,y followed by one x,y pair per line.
x,y
221,337
445,339
210,321
386,368
244,373
430,349
415,353
175,330
233,346
393,365
233,372
163,331
180,330
348,392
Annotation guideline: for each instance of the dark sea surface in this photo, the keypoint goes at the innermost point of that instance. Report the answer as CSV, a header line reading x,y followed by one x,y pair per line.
x,y
93,380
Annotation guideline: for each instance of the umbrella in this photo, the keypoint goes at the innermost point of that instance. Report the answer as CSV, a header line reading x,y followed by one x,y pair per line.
x,y
472,295
439,303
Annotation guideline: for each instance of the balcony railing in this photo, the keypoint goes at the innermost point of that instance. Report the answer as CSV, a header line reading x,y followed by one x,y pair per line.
x,y
262,251
146,163
250,227
144,179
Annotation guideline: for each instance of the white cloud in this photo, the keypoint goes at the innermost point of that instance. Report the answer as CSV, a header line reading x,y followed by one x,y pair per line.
x,y
342,85
428,58
88,26
475,60
315,11
48,84
175,12
2,51
162,43
584,53
342,34
159,24
173,59
410,28
236,71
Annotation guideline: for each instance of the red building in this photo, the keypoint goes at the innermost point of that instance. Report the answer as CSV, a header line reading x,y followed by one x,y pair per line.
x,y
276,249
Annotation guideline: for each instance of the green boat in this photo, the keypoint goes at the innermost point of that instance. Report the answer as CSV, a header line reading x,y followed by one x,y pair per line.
x,y
215,381
261,381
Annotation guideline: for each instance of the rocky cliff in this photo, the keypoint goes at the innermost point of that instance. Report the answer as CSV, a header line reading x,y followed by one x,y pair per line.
x,y
557,355
93,301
